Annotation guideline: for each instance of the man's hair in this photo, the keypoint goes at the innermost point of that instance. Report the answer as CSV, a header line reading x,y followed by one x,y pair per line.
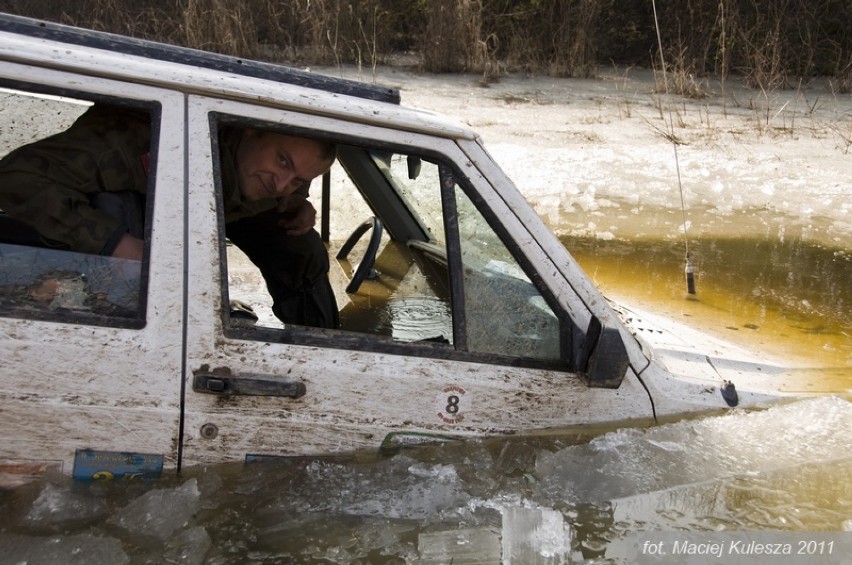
x,y
328,149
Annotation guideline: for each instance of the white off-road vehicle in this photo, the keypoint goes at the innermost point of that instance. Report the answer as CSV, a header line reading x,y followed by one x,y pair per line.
x,y
465,316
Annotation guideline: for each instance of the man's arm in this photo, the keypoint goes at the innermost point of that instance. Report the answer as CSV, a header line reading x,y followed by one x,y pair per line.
x,y
298,215
129,247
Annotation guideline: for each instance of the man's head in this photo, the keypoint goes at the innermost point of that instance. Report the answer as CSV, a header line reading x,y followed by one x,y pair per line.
x,y
272,165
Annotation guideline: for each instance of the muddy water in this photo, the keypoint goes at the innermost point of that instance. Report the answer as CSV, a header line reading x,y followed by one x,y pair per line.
x,y
565,498
571,496
790,298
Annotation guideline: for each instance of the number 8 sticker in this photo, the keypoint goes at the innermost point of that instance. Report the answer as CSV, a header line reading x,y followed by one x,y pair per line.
x,y
453,403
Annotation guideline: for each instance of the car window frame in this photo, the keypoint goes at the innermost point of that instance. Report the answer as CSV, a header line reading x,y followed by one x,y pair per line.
x,y
154,109
341,339
452,177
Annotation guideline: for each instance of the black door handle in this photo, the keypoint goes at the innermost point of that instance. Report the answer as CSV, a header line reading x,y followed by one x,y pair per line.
x,y
250,386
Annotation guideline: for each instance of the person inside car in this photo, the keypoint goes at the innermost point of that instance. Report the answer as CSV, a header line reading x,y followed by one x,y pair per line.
x,y
84,190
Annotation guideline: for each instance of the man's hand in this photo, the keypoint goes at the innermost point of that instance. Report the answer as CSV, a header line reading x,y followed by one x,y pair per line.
x,y
129,247
298,216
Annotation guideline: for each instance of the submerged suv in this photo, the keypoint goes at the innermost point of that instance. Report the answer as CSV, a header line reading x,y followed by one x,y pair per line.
x,y
461,315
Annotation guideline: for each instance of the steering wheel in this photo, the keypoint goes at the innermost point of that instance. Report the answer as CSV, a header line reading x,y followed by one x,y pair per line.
x,y
365,267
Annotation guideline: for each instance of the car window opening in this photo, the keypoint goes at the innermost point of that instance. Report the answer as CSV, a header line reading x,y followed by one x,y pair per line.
x,y
407,294
71,187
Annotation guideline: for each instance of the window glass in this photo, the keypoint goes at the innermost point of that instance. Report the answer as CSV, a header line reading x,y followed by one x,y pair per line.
x,y
505,313
35,279
73,181
417,182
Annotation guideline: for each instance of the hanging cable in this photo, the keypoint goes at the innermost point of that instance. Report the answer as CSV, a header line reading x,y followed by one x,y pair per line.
x,y
690,268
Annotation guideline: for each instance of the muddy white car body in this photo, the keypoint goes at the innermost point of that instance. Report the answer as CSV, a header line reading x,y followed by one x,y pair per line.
x,y
182,381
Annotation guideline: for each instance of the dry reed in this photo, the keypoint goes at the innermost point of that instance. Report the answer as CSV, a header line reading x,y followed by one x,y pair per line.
x,y
770,44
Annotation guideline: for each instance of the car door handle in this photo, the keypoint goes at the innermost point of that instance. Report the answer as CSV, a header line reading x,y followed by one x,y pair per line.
x,y
249,386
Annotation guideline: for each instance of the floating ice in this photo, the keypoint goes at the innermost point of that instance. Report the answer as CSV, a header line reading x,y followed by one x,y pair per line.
x,y
440,472
631,461
535,536
410,500
188,547
399,488
58,508
158,513
82,549
465,545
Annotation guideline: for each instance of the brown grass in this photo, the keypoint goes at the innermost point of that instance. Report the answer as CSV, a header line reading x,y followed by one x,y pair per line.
x,y
770,44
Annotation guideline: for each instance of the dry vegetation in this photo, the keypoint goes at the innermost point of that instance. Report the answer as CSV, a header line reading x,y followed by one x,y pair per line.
x,y
771,44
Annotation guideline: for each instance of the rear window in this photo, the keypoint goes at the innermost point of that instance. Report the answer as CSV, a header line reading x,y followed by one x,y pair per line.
x,y
76,176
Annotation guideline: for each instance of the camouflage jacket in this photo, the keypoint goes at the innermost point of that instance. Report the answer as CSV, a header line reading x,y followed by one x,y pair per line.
x,y
50,184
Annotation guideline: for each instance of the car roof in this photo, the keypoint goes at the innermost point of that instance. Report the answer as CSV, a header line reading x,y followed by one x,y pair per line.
x,y
107,55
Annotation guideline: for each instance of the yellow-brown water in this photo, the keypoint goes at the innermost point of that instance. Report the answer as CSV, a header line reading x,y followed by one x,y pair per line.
x,y
791,299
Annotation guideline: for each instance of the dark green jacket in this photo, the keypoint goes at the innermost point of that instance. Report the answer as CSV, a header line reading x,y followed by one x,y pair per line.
x,y
49,184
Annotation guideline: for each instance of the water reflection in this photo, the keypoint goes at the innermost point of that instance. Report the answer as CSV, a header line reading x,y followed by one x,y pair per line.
x,y
414,318
791,297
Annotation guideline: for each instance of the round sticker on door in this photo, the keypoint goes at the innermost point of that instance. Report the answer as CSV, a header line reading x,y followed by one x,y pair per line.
x,y
453,403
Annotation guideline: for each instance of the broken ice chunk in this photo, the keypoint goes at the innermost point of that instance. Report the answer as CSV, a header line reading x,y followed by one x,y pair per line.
x,y
158,513
60,509
82,549
188,547
468,546
535,536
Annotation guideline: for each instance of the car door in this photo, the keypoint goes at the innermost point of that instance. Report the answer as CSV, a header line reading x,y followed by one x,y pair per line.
x,y
456,334
91,346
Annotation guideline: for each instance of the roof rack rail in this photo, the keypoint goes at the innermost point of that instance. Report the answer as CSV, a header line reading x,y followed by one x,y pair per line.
x,y
184,55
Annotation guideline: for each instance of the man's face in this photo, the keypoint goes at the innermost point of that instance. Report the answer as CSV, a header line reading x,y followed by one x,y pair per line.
x,y
271,165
